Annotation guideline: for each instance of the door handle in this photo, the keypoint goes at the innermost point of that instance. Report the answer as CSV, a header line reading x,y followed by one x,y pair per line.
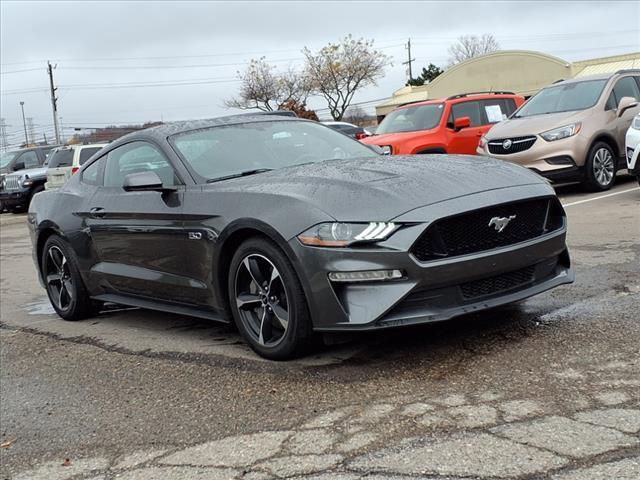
x,y
96,212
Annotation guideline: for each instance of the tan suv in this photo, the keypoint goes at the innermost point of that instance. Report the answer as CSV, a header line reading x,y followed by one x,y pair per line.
x,y
572,130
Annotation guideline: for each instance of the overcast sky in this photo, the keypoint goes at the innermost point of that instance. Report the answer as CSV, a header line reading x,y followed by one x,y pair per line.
x,y
98,46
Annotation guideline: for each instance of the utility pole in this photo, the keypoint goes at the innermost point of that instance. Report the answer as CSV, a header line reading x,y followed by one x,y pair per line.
x,y
24,124
3,134
54,102
31,129
409,59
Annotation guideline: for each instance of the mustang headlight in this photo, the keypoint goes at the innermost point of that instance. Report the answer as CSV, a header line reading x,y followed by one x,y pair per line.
x,y
345,234
562,132
386,149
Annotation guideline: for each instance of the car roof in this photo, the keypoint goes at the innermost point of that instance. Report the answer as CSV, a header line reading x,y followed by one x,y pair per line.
x,y
165,130
460,98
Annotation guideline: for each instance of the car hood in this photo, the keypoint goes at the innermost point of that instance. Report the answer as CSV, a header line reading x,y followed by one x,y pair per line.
x,y
393,138
381,188
31,172
534,125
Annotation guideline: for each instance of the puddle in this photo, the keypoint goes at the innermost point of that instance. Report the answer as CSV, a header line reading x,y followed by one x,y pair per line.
x,y
42,307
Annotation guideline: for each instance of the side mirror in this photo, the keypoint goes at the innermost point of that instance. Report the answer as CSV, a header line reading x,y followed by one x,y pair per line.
x,y
147,181
19,165
625,104
460,123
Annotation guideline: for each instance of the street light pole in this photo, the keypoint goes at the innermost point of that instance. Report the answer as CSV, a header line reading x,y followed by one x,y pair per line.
x,y
24,123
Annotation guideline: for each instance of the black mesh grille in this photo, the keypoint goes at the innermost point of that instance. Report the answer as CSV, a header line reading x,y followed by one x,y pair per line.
x,y
518,144
477,230
497,284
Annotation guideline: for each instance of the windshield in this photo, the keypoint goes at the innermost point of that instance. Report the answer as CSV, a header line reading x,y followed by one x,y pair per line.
x,y
5,158
227,151
412,119
563,98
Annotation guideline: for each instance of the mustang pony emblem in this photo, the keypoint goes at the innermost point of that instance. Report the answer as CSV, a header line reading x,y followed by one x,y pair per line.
x,y
500,223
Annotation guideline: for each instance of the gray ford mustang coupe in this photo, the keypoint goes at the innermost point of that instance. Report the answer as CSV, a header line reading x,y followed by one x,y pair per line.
x,y
289,228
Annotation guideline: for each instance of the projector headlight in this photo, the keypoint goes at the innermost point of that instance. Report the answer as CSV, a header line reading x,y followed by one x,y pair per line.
x,y
386,149
345,234
562,132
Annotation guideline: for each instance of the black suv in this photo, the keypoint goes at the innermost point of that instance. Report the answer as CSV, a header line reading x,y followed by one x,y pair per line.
x,y
16,160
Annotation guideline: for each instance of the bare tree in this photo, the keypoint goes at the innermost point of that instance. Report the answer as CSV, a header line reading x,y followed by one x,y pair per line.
x,y
356,115
340,69
469,46
259,87
262,88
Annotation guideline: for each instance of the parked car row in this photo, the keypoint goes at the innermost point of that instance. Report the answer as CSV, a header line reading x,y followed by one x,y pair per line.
x,y
29,171
573,130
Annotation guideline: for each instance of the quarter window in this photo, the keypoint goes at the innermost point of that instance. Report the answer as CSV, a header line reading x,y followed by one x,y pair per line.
x,y
91,174
137,157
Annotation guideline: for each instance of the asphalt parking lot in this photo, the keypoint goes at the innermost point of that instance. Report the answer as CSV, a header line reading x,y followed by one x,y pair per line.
x,y
546,389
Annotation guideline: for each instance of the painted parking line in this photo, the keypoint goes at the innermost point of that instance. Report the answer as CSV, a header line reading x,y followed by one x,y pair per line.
x,y
601,196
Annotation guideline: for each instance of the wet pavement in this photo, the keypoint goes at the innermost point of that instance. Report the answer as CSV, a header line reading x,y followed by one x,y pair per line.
x,y
545,389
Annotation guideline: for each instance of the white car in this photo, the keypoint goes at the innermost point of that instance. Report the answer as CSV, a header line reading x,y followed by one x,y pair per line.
x,y
633,147
65,161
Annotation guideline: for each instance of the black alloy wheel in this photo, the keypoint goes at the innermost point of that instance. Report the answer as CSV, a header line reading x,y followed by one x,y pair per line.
x,y
267,301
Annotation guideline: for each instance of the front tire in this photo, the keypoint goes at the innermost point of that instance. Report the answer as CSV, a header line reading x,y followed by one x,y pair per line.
x,y
600,168
268,304
65,288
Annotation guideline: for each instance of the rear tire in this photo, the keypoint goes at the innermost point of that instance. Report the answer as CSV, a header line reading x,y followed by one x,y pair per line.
x,y
267,301
600,168
64,285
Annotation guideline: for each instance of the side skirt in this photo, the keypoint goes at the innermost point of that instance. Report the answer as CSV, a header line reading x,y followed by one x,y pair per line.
x,y
160,306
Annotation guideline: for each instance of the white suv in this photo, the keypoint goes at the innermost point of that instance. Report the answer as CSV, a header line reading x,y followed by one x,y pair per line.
x,y
65,161
633,147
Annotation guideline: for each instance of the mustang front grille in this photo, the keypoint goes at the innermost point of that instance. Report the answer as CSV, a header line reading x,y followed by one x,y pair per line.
x,y
506,146
488,228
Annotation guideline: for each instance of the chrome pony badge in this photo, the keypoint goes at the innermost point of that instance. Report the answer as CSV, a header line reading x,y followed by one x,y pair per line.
x,y
507,144
500,223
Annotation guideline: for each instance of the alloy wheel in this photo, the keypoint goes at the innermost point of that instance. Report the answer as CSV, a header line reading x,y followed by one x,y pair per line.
x,y
261,299
603,166
58,278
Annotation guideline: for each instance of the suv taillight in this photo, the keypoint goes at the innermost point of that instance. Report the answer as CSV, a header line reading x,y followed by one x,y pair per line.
x,y
74,170
361,135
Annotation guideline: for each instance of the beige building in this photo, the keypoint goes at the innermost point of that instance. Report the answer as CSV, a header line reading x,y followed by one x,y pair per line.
x,y
519,71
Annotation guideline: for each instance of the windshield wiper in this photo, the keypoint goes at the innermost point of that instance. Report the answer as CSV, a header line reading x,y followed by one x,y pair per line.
x,y
239,174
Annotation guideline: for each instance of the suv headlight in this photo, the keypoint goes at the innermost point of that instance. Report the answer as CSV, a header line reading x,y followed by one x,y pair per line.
x,y
636,123
345,234
562,132
27,182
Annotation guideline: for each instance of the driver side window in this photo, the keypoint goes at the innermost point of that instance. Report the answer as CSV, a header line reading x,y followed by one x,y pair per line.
x,y
137,157
30,159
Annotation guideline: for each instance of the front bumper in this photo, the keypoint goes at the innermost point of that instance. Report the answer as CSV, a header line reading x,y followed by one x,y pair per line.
x,y
430,291
562,160
632,151
13,198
